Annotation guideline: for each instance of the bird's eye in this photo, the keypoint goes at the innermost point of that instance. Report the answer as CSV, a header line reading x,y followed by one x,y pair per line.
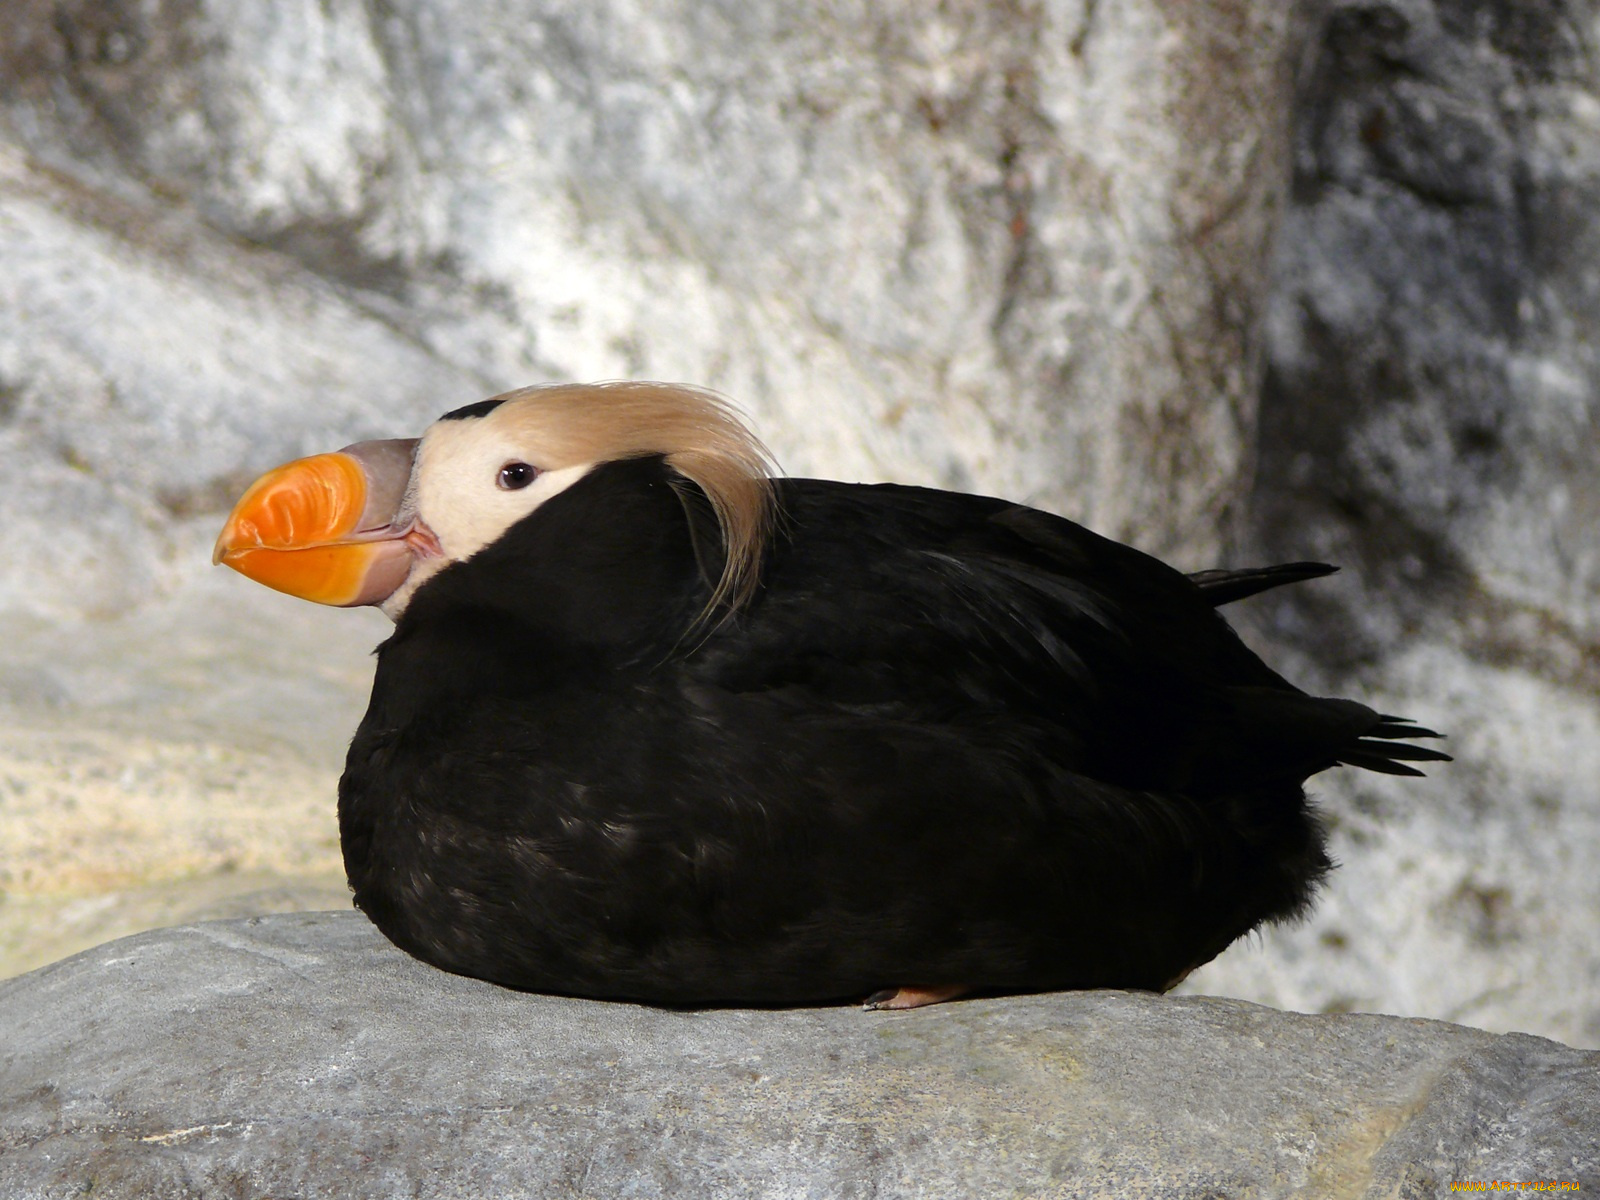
x,y
515,476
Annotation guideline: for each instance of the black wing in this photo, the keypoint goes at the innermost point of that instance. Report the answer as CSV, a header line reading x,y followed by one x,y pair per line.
x,y
922,605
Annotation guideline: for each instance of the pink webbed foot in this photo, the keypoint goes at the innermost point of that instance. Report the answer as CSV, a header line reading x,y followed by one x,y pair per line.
x,y
912,997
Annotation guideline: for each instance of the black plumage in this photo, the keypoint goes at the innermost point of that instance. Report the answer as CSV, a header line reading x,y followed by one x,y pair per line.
x,y
948,741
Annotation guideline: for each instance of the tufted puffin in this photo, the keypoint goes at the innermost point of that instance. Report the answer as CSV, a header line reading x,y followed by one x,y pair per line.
x,y
655,725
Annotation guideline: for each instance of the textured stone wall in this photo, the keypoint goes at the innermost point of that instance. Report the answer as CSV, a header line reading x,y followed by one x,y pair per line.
x,y
1228,279
1430,418
900,236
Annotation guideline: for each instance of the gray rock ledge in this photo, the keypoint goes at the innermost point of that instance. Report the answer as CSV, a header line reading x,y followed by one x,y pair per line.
x,y
302,1056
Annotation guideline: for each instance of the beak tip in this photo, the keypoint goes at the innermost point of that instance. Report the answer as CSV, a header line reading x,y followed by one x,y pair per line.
x,y
230,541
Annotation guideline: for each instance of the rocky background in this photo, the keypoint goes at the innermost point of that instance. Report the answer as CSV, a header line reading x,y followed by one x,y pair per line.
x,y
1232,280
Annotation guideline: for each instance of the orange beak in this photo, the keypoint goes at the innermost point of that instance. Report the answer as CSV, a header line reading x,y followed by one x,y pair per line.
x,y
330,528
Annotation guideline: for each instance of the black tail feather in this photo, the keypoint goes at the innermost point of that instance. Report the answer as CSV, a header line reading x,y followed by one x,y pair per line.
x,y
1403,751
1399,727
1224,587
1376,762
1379,749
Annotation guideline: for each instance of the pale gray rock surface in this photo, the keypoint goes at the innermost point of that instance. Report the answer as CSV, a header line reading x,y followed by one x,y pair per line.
x,y
1232,279
302,1055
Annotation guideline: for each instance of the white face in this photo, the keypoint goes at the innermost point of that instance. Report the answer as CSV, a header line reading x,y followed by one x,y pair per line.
x,y
474,478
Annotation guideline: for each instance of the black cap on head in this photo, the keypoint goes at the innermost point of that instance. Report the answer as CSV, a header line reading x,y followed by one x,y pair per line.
x,y
481,409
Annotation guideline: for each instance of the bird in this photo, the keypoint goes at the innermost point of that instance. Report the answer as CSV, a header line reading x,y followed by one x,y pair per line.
x,y
657,724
